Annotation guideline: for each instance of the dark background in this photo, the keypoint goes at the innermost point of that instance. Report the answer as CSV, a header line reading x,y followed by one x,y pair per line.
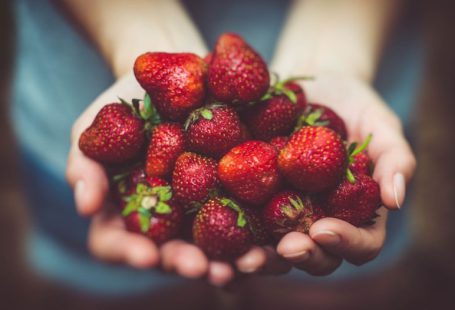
x,y
423,279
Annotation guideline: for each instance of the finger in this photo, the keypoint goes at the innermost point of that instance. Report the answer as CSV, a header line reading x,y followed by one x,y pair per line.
x,y
356,245
252,260
109,241
393,158
220,273
275,264
305,254
185,259
88,180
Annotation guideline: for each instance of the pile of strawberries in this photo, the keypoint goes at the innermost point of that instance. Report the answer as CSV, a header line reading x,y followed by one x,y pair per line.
x,y
217,154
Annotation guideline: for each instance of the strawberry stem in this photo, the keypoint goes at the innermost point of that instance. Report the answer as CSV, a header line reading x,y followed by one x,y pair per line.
x,y
350,176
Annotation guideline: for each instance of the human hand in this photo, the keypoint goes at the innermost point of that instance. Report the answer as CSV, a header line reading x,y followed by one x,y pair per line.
x,y
331,240
108,238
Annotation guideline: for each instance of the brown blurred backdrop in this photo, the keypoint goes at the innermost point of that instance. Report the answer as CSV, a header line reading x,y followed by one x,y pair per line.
x,y
423,279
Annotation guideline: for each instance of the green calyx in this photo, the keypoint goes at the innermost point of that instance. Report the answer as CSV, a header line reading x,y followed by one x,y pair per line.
x,y
148,201
293,209
241,218
311,118
279,88
205,112
353,150
147,112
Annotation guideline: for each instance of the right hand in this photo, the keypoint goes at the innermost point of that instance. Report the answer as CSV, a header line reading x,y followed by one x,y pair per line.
x,y
108,238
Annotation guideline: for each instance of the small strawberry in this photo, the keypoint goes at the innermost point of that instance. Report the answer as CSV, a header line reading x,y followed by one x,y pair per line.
x,y
361,164
314,159
115,136
213,130
221,229
194,179
174,81
279,142
250,171
167,142
288,211
320,115
152,211
237,73
354,202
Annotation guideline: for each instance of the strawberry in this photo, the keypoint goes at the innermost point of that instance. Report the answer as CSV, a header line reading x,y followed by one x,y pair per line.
x,y
194,179
221,229
320,115
152,211
279,142
115,136
213,130
174,81
361,164
250,171
314,159
355,202
288,211
167,142
237,73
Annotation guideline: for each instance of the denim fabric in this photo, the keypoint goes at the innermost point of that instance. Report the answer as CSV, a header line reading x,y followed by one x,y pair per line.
x,y
58,72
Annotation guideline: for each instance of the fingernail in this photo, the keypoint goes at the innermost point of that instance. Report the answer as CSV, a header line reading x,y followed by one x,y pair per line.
x,y
399,188
298,257
327,237
79,193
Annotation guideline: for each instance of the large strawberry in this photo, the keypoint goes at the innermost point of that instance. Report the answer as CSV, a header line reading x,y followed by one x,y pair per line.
x,y
174,81
213,130
314,159
320,115
237,73
250,172
194,179
167,142
288,211
354,201
221,229
115,136
152,211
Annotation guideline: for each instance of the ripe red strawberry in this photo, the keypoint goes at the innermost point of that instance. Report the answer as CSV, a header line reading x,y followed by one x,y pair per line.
x,y
194,179
320,115
115,136
213,130
279,142
361,164
152,211
221,229
355,202
237,73
167,142
175,82
288,211
314,159
250,172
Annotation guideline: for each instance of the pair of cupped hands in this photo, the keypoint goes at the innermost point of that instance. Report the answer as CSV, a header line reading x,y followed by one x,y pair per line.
x,y
330,240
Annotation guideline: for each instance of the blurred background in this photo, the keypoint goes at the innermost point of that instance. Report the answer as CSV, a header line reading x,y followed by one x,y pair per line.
x,y
423,278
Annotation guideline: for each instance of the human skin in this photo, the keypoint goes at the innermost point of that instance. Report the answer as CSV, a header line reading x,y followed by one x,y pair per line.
x,y
309,45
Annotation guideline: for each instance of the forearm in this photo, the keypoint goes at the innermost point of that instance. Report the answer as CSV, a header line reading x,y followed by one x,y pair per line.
x,y
337,36
124,29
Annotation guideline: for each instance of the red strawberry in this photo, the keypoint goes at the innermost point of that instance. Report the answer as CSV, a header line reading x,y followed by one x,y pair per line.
x,y
288,211
115,136
355,202
221,229
250,171
279,142
167,142
361,164
152,211
194,179
320,115
175,82
213,130
290,86
237,73
314,159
